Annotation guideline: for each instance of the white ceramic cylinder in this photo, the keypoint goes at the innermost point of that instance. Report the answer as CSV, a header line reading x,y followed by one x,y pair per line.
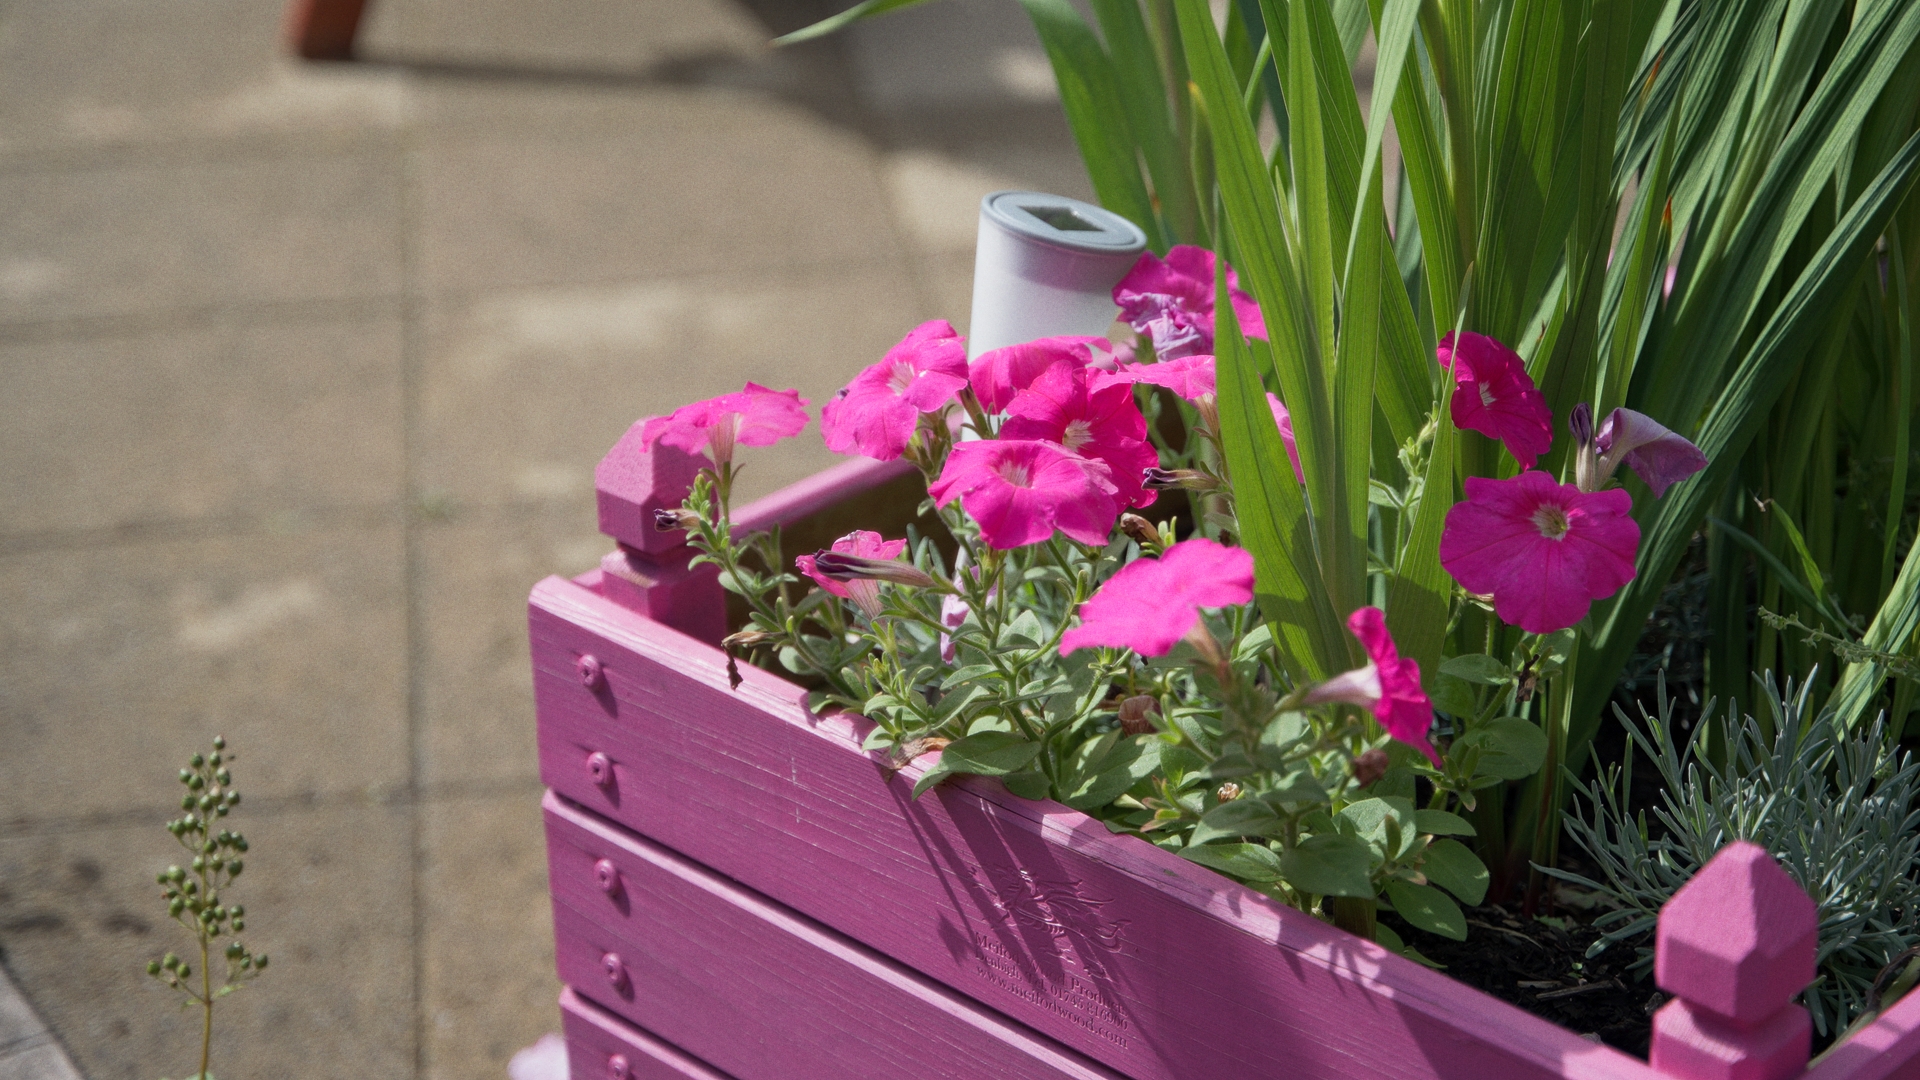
x,y
1044,266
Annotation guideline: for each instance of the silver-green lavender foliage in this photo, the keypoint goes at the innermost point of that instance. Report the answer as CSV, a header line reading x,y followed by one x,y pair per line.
x,y
1836,808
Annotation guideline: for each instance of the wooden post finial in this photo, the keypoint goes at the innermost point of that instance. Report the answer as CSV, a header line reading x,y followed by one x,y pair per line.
x,y
1735,946
634,480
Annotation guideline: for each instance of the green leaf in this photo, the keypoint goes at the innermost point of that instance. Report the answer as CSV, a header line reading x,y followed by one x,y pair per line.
x,y
866,9
1248,862
1090,94
968,674
1369,816
1330,865
1478,668
1441,823
1454,867
1510,748
1451,695
1428,908
1118,768
1029,784
989,753
1240,817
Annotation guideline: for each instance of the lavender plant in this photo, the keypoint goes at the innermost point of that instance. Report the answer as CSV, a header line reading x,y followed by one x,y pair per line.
x,y
193,893
1839,808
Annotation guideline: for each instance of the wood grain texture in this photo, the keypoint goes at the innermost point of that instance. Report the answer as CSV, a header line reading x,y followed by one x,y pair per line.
x,y
602,1046
1887,1049
1139,959
753,988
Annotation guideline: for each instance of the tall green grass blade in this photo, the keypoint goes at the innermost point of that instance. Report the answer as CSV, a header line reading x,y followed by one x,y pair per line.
x,y
1891,632
1090,94
866,9
1802,317
1272,514
1144,95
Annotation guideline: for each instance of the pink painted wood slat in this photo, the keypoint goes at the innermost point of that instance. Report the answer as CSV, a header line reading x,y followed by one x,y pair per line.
x,y
602,1045
753,988
1155,966
1887,1049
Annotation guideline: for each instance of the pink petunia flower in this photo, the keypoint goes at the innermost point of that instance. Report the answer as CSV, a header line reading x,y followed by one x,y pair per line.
x,y
1544,550
1284,421
1494,395
1389,686
877,412
1189,376
753,416
999,374
1656,455
1152,603
862,591
1171,302
1020,491
953,615
1062,406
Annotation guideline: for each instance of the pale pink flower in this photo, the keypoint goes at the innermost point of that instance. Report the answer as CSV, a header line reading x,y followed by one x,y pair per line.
x,y
1283,420
862,591
753,416
877,412
1001,373
1095,421
1494,395
1389,686
1656,455
1171,302
1019,491
1152,603
1189,376
953,615
1544,550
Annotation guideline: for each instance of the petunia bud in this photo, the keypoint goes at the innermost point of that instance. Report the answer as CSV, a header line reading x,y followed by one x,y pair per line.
x,y
1369,767
843,567
1228,792
1167,479
747,639
665,520
1139,528
1136,714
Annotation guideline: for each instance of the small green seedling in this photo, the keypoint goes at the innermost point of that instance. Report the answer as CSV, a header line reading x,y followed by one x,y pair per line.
x,y
193,892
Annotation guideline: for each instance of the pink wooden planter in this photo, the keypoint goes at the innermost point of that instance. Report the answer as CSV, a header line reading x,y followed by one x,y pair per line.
x,y
740,891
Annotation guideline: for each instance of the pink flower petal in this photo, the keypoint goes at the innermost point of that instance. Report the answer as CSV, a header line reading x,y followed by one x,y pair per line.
x,y
1494,395
997,375
1189,376
1284,421
1656,455
877,412
754,416
1151,603
1544,550
1171,302
1020,491
1092,416
861,542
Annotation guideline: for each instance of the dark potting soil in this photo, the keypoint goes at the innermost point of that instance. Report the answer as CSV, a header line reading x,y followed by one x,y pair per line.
x,y
1541,966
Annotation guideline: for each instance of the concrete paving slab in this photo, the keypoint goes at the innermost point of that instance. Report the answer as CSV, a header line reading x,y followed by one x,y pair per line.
x,y
663,196
137,238
477,681
92,74
328,894
28,1051
484,880
256,419
118,662
559,33
524,391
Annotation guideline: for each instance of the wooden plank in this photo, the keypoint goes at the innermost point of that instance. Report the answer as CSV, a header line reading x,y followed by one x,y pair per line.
x,y
755,989
1887,1049
1137,958
600,1044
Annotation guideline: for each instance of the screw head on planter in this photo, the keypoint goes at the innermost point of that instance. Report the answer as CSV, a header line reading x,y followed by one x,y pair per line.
x,y
635,480
1045,266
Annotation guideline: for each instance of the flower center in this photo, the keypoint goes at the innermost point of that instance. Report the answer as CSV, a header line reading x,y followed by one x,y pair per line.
x,y
1486,393
1551,521
1014,473
1078,434
900,378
